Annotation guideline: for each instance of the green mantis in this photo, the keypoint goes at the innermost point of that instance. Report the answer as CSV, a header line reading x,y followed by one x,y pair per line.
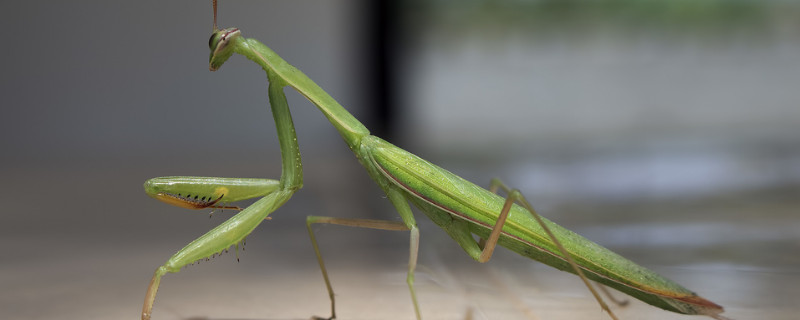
x,y
462,209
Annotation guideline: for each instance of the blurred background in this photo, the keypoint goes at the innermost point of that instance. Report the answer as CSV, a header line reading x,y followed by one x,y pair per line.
x,y
668,131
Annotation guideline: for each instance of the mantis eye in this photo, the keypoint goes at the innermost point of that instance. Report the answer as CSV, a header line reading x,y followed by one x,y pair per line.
x,y
211,40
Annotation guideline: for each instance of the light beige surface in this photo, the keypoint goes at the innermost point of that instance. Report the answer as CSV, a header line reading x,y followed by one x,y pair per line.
x,y
91,258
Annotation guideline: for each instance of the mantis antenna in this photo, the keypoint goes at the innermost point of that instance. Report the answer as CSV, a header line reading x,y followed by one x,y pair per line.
x,y
214,3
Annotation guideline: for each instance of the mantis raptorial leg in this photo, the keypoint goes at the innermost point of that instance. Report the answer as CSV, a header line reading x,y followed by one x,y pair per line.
x,y
197,192
461,208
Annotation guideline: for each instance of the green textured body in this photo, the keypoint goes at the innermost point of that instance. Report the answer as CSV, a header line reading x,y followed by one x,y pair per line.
x,y
459,207
462,208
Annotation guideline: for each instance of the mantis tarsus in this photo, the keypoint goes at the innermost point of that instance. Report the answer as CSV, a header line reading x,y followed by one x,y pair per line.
x,y
461,208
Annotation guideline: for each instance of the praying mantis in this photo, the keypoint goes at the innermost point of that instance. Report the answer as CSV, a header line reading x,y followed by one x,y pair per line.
x,y
462,209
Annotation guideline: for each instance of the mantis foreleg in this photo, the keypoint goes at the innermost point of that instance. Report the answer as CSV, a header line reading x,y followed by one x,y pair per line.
x,y
175,190
229,233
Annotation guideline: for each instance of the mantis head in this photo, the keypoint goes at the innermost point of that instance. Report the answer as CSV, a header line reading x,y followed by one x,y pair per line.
x,y
221,48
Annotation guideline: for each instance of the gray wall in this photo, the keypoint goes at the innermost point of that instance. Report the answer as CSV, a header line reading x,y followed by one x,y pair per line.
x,y
99,81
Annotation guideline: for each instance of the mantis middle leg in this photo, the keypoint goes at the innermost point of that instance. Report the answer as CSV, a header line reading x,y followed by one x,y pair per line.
x,y
408,224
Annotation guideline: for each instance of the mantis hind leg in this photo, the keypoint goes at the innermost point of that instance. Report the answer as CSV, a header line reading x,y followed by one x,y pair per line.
x,y
515,196
408,224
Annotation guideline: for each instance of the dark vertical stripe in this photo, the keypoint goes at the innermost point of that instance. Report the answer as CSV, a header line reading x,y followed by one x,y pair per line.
x,y
380,36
